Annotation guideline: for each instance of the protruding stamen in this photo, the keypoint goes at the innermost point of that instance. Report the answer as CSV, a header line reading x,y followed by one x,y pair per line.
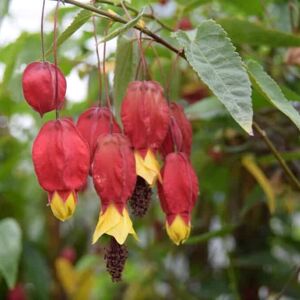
x,y
115,257
141,198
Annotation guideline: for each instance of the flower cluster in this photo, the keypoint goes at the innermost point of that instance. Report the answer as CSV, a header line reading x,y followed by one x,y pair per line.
x,y
124,163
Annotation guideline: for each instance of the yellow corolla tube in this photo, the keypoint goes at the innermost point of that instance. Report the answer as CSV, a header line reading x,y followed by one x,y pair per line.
x,y
178,230
113,223
147,167
63,209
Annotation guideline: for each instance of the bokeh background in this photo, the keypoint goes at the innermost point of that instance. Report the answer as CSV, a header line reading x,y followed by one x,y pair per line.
x,y
238,249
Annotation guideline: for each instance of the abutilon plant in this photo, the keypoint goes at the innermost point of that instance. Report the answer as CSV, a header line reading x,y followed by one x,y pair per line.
x,y
44,87
94,122
124,167
114,178
179,136
178,194
61,161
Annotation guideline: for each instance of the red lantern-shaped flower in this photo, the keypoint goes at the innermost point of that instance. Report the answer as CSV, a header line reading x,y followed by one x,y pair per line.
x,y
44,87
94,122
178,194
145,116
114,179
61,160
179,136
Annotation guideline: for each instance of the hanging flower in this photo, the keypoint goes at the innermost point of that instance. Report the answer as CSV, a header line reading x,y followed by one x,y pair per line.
x,y
178,195
61,160
114,178
179,136
94,122
40,88
145,116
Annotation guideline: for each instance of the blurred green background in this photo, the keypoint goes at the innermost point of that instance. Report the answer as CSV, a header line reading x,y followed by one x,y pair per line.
x,y
239,248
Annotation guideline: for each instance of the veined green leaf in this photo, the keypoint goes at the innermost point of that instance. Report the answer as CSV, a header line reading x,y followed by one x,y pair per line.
x,y
205,109
245,32
123,28
126,64
213,57
80,19
10,250
272,92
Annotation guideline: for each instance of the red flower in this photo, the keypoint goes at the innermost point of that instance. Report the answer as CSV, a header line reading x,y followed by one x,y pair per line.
x,y
178,195
40,89
94,122
180,132
114,179
61,161
145,116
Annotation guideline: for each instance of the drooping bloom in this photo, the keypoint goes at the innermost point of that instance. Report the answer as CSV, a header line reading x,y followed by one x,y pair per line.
x,y
145,117
178,194
61,160
114,178
94,122
179,136
41,89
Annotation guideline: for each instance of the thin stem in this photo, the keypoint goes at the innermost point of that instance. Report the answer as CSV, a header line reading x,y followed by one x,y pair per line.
x,y
159,63
278,156
168,84
139,40
55,58
119,19
293,275
136,12
98,61
293,20
42,31
106,87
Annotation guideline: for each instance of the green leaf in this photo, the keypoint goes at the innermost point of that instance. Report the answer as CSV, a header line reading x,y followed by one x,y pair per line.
x,y
80,19
248,7
272,92
4,5
12,59
123,28
205,109
126,65
10,250
202,238
245,32
213,57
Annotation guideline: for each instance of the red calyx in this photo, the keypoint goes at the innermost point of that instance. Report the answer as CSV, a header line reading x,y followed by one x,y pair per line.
x,y
145,115
185,24
17,293
114,173
179,190
179,136
95,122
61,157
69,253
40,89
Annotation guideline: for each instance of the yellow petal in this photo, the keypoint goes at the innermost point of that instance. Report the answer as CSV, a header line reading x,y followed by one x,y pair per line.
x,y
148,167
61,209
66,275
178,231
113,223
